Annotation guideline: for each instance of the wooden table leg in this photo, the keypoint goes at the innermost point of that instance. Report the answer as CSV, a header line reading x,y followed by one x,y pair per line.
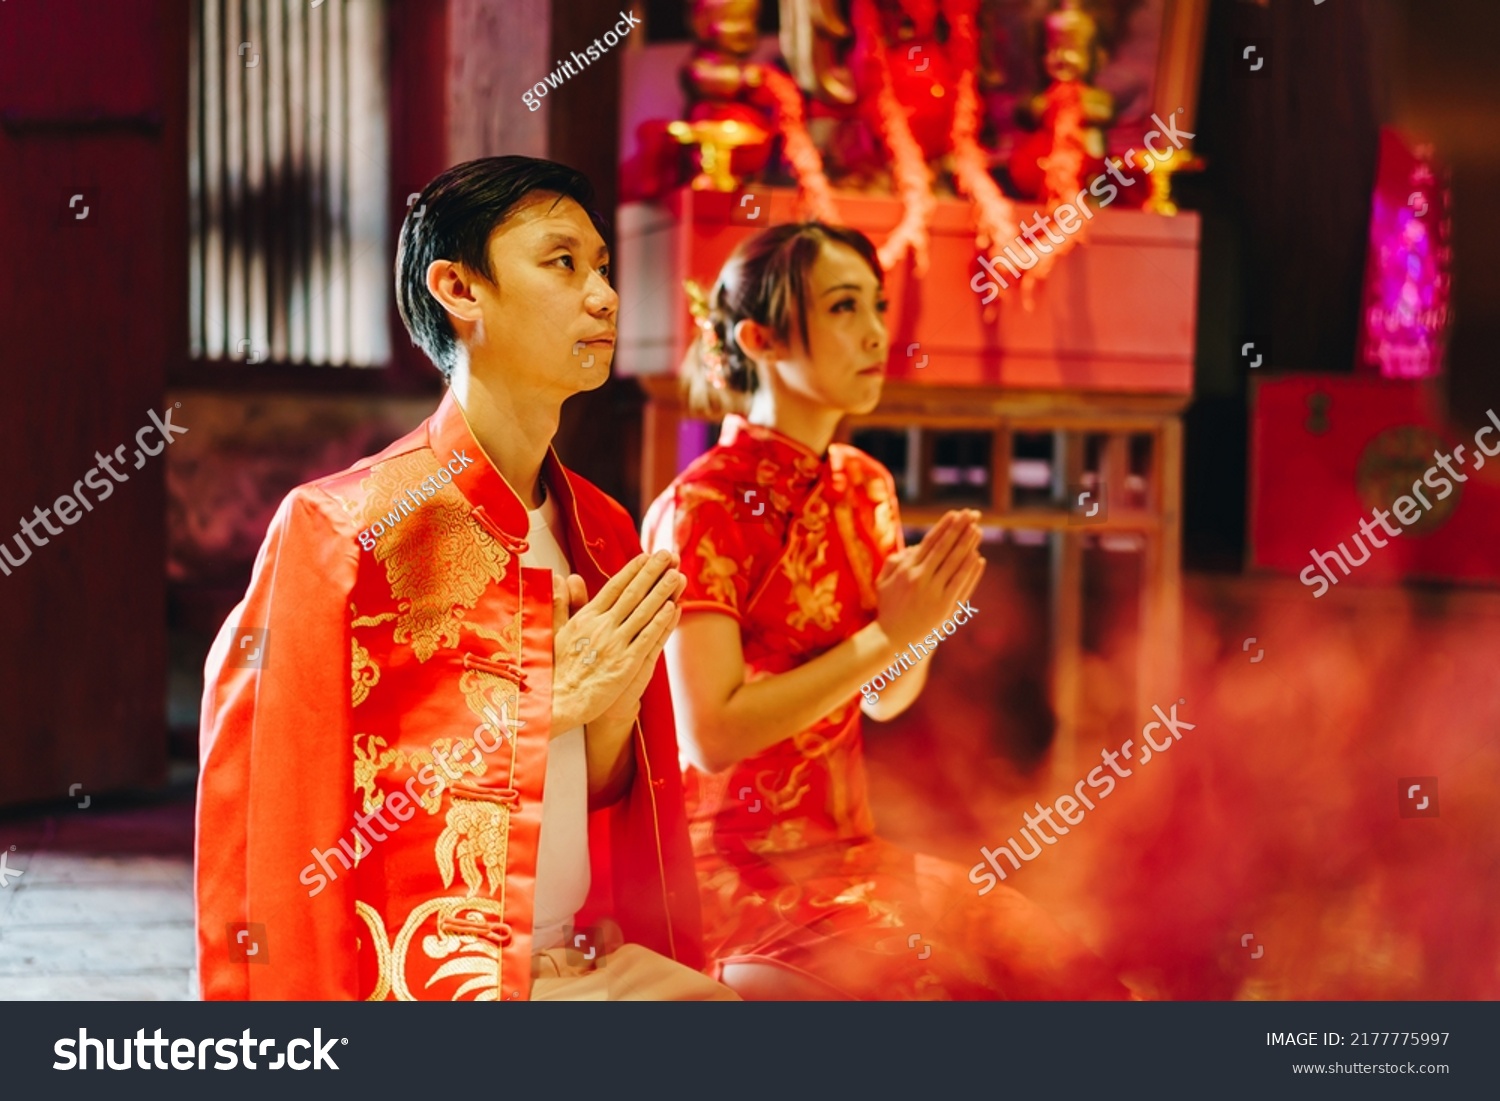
x,y
1159,677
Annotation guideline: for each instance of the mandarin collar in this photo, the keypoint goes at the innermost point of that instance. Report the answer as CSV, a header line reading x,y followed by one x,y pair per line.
x,y
494,501
801,462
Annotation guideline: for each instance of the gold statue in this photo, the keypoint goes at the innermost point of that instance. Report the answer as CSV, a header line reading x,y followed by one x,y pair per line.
x,y
720,71
729,116
1070,104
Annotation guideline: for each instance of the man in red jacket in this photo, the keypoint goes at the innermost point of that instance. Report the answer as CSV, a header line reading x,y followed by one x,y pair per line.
x,y
436,743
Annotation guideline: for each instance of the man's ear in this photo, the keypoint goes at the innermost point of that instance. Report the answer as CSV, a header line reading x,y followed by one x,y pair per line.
x,y
452,285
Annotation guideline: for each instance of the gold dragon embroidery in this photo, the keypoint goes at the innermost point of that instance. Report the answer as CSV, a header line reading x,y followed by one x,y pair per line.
x,y
477,830
366,673
369,760
468,930
438,560
458,756
492,698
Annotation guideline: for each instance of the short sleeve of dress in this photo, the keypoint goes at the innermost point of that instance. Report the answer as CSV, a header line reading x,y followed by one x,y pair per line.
x,y
696,519
875,504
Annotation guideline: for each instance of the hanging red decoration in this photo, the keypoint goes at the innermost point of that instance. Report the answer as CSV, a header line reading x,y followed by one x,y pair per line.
x,y
1064,169
814,197
908,165
993,214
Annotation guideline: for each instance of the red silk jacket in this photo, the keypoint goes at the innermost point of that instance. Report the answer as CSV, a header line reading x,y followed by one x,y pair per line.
x,y
376,715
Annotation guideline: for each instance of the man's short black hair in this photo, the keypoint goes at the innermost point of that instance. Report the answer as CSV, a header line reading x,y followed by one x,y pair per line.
x,y
452,219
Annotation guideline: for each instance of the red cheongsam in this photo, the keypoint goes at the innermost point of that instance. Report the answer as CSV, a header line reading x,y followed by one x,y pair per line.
x,y
790,870
364,829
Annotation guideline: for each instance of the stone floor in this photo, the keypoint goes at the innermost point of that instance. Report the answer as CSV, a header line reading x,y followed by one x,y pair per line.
x,y
103,906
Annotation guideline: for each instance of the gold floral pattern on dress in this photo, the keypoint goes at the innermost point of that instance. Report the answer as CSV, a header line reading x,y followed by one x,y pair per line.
x,y
369,760
814,515
786,796
770,477
811,596
366,673
437,559
785,835
882,914
883,530
717,575
859,558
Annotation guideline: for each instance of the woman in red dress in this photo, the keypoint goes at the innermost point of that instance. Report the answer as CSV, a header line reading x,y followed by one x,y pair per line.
x,y
800,589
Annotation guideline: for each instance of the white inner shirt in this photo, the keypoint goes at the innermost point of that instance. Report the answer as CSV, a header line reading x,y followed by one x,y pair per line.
x,y
562,862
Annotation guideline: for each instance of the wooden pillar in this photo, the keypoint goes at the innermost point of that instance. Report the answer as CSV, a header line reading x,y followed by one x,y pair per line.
x,y
495,52
1067,606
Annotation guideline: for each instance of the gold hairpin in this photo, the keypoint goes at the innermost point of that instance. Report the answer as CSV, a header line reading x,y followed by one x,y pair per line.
x,y
711,349
697,299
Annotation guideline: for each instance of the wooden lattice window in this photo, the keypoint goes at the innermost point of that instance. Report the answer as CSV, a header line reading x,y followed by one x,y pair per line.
x,y
288,177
